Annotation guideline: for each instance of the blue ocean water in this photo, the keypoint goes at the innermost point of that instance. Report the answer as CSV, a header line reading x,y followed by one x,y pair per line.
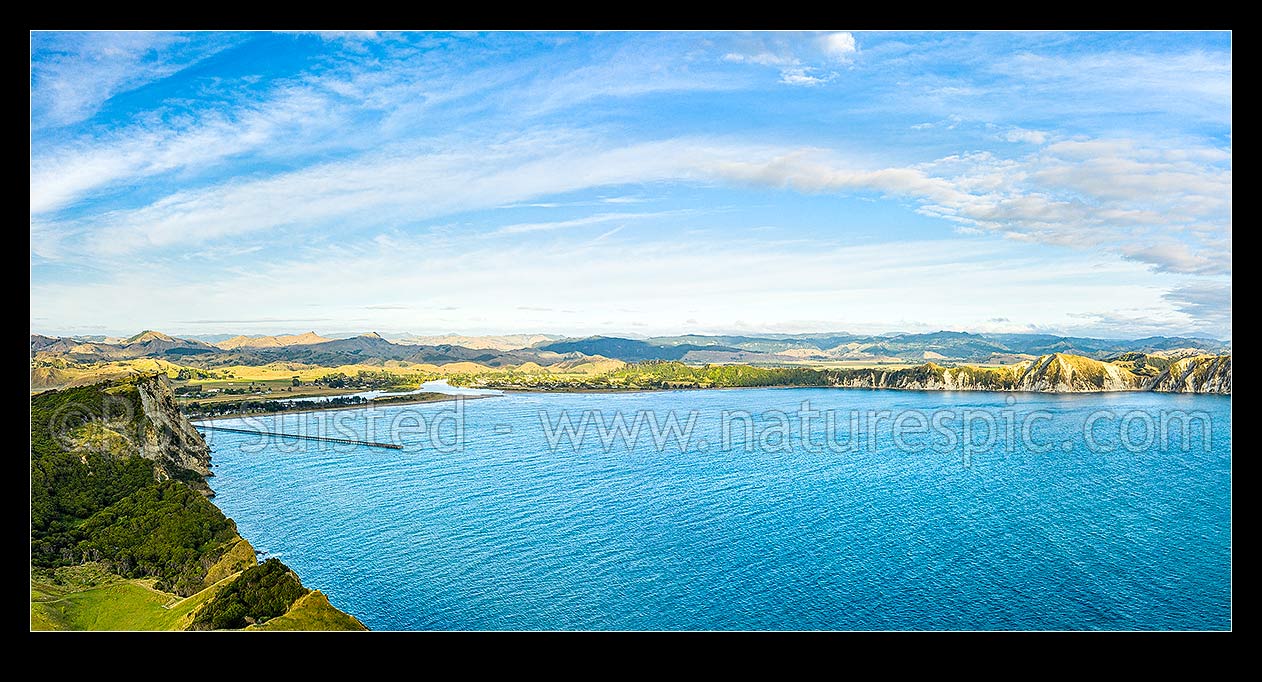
x,y
1043,524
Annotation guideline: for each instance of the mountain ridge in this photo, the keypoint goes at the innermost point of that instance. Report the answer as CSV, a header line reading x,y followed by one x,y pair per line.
x,y
279,341
496,351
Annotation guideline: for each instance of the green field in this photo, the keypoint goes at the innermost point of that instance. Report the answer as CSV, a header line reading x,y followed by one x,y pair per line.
x,y
268,389
89,598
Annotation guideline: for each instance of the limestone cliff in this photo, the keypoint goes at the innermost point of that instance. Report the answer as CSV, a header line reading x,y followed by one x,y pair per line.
x,y
1053,373
928,377
169,438
1202,374
1063,373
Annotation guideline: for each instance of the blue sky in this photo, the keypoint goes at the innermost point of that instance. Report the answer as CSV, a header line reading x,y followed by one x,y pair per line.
x,y
631,183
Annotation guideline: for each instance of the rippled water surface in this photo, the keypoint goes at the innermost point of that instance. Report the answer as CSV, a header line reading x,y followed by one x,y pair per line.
x,y
507,533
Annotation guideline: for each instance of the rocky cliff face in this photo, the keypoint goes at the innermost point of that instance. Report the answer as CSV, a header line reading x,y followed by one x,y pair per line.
x,y
1053,373
1203,374
168,438
152,426
1062,373
929,377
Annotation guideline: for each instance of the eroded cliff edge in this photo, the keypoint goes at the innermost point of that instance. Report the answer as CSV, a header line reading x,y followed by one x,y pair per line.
x,y
1053,373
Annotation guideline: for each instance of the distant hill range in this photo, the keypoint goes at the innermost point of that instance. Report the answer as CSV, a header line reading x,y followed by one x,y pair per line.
x,y
271,341
938,361
505,342
501,351
147,344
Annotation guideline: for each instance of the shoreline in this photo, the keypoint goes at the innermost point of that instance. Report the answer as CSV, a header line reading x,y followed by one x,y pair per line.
x,y
527,391
332,408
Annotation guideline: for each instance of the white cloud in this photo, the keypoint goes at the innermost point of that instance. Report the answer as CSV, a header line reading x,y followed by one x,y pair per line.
x,y
77,73
340,35
761,283
310,113
798,66
1192,83
597,219
1147,203
951,122
626,72
1026,136
65,174
802,76
418,131
47,240
1174,256
840,46
1208,303
605,235
403,186
1132,323
761,58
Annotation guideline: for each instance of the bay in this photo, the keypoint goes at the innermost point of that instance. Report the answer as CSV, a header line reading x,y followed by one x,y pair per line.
x,y
1058,528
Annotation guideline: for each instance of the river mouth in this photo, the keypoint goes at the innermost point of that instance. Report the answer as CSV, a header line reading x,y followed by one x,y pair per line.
x,y
436,386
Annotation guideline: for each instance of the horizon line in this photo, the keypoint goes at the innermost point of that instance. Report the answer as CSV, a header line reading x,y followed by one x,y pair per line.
x,y
333,336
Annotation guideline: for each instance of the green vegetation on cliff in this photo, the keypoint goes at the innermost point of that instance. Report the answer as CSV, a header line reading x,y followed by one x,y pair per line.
x,y
121,527
110,505
67,487
312,611
259,594
1141,364
165,530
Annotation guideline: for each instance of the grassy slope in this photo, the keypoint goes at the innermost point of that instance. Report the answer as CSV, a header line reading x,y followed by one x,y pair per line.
x,y
239,557
107,602
312,611
114,603
77,374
